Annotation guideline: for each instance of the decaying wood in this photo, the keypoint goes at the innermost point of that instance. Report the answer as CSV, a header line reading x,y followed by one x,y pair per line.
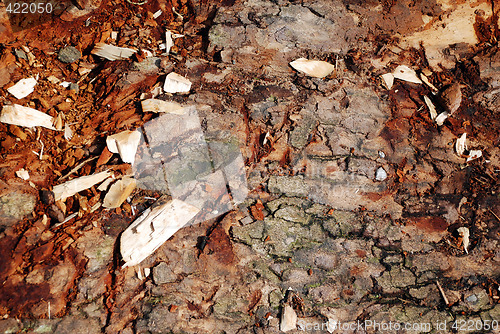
x,y
119,192
175,83
112,52
155,105
69,188
452,98
153,228
25,116
23,88
313,68
124,143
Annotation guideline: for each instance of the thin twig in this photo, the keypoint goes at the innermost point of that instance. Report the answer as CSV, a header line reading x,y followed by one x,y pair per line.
x,y
41,151
71,216
80,165
494,214
442,293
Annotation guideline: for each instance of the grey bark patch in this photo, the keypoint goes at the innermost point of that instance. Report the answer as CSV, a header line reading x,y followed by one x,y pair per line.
x,y
73,325
300,135
162,274
8,326
14,206
288,185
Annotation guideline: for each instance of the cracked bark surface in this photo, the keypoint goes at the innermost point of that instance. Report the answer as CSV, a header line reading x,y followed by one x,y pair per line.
x,y
316,220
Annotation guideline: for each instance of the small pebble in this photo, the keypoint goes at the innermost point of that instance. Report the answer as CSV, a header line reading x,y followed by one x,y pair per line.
x,y
381,174
381,154
74,86
47,197
472,299
69,54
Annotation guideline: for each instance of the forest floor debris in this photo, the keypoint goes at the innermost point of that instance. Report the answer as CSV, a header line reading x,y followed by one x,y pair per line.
x,y
344,187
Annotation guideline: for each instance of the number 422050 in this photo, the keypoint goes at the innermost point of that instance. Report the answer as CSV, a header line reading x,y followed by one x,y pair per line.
x,y
29,8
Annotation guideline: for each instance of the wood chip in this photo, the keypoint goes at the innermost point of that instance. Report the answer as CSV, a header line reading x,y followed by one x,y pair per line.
x,y
151,229
58,121
428,83
112,52
169,42
474,154
313,68
388,80
442,293
460,145
105,184
175,83
24,116
405,73
464,234
68,133
288,319
53,79
119,192
124,143
155,105
432,108
441,118
23,174
69,188
157,14
23,88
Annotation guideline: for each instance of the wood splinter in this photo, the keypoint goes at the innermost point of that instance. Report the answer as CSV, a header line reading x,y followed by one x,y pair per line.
x,y
442,293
